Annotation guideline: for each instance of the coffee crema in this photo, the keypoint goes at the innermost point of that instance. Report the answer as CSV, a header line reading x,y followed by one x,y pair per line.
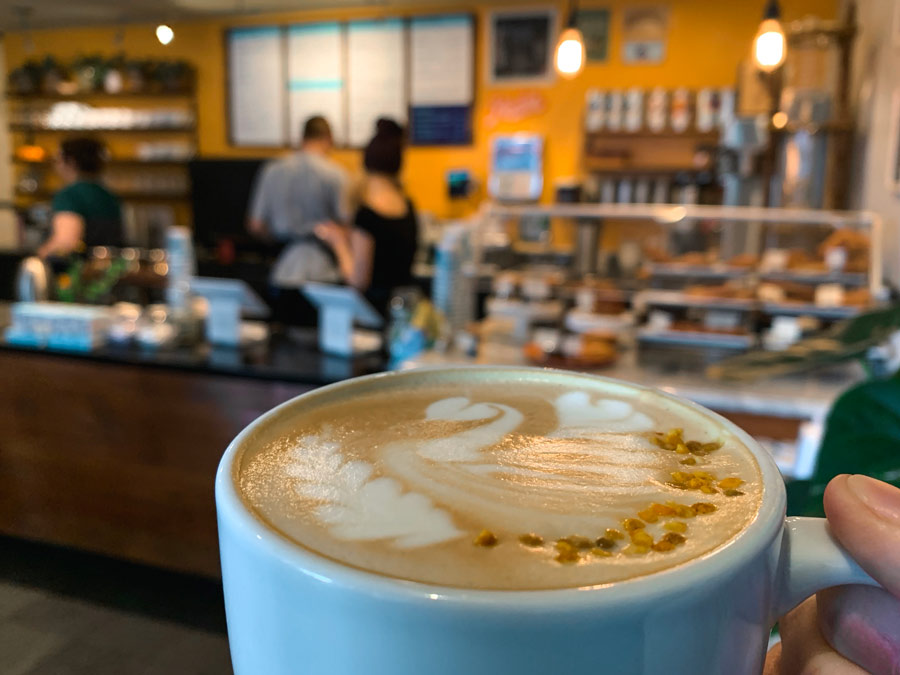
x,y
499,479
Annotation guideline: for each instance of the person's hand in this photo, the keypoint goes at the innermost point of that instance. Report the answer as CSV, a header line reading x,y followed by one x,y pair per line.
x,y
851,630
332,234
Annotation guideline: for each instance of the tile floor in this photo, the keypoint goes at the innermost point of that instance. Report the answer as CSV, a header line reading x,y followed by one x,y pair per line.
x,y
69,613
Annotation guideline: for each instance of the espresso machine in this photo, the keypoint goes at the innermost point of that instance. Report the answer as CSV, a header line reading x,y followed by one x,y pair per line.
x,y
744,145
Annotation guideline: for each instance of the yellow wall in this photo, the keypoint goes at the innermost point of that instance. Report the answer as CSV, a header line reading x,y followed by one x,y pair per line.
x,y
707,40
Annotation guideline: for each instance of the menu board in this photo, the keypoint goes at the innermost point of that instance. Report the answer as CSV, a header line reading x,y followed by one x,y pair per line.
x,y
353,73
376,76
442,52
442,90
256,91
315,71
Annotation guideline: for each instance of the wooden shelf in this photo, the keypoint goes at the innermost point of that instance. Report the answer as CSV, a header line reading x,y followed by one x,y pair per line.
x,y
123,195
593,165
674,298
840,126
693,135
807,309
100,95
28,128
152,163
648,153
676,269
844,278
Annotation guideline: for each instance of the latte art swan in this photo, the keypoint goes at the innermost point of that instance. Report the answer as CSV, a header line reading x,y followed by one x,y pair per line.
x,y
402,484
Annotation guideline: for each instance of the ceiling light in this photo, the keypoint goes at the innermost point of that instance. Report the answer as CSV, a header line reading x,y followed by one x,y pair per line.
x,y
164,34
770,44
569,59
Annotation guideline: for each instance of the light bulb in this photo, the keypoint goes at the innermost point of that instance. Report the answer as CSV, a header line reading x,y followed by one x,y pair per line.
x,y
769,45
164,34
569,53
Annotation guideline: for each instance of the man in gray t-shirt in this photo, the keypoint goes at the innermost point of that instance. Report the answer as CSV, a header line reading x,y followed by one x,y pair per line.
x,y
294,194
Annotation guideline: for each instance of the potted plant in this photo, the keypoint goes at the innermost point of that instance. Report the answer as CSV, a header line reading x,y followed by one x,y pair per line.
x,y
135,76
54,76
89,72
175,76
114,74
26,79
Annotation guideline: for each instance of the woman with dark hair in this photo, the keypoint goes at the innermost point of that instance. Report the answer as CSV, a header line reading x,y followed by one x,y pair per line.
x,y
85,213
376,255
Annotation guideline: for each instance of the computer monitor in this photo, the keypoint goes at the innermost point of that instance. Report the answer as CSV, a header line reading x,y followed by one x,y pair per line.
x,y
220,198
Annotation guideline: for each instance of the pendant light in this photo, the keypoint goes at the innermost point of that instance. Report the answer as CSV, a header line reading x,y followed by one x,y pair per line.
x,y
569,57
770,43
164,33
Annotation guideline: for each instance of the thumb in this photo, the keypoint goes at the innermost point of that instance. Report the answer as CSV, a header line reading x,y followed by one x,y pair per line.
x,y
864,515
862,622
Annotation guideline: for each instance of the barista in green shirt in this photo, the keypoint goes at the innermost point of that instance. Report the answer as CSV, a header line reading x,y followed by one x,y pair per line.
x,y
85,213
862,436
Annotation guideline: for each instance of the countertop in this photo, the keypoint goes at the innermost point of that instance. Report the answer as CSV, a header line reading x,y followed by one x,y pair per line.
x,y
808,396
284,357
294,357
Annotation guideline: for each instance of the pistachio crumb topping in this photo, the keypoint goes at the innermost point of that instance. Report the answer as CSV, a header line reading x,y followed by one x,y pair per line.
x,y
486,538
632,524
571,549
531,540
566,552
605,543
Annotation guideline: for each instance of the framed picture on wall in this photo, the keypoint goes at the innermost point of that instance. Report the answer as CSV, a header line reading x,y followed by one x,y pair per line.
x,y
645,32
893,162
520,46
594,27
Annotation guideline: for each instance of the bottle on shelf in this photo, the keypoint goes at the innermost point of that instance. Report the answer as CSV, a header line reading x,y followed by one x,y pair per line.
x,y
657,109
726,108
681,110
625,191
661,188
634,109
595,114
642,191
614,110
608,191
707,109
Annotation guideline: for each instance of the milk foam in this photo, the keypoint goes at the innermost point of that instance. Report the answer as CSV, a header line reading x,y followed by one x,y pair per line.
x,y
404,490
355,505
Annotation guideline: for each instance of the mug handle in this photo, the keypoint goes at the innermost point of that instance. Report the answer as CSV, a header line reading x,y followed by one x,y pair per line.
x,y
812,559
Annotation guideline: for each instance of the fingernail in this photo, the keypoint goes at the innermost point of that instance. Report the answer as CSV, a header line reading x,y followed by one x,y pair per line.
x,y
881,498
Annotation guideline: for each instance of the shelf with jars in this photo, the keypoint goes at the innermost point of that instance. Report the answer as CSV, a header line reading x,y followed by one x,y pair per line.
x,y
143,110
653,146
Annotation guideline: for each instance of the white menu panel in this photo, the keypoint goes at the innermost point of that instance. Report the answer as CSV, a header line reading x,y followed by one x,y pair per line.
x,y
316,77
256,86
376,76
442,51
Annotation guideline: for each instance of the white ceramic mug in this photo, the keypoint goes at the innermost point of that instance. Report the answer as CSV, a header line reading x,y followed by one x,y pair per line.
x,y
292,611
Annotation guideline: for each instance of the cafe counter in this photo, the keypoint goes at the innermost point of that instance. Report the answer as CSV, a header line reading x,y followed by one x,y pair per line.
x,y
115,451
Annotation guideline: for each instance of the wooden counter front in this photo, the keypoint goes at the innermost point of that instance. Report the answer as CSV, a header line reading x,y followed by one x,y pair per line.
x,y
120,459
